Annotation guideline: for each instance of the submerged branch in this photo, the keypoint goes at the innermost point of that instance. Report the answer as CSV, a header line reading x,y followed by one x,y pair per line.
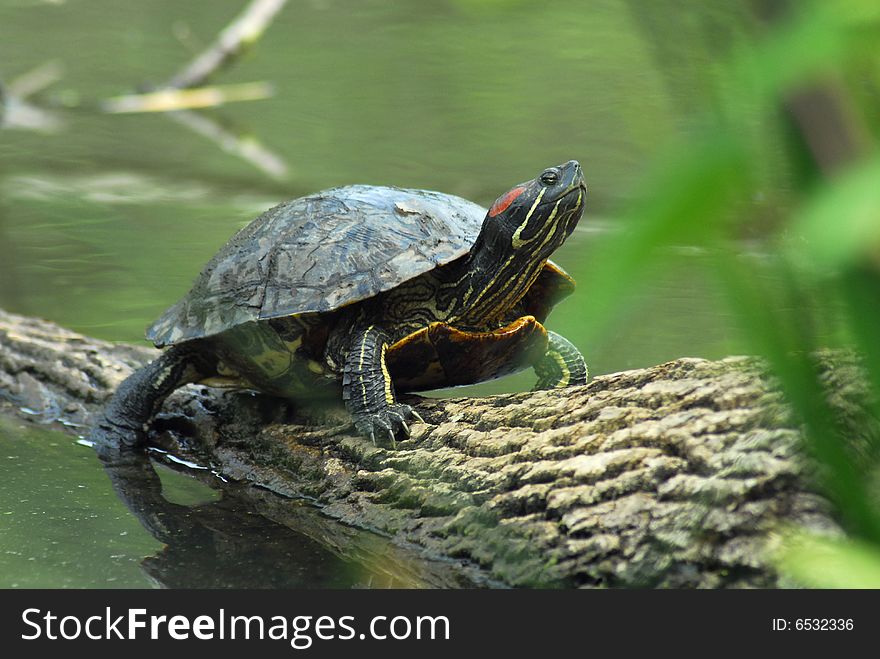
x,y
243,32
241,144
36,80
17,112
171,100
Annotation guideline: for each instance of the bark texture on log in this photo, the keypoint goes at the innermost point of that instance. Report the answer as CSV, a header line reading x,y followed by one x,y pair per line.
x,y
680,475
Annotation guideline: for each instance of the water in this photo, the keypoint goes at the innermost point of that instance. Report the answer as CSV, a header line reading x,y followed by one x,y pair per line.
x,y
60,522
105,220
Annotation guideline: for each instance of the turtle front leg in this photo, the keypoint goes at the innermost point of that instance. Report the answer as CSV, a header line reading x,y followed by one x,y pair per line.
x,y
368,391
120,425
561,366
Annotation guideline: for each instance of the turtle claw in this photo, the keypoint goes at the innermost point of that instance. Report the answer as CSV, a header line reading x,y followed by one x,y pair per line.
x,y
391,422
392,438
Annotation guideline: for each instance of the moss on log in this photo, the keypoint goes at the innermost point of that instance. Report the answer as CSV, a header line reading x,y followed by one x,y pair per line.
x,y
680,475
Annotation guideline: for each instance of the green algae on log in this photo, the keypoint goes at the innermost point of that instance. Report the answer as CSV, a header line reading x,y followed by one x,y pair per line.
x,y
679,475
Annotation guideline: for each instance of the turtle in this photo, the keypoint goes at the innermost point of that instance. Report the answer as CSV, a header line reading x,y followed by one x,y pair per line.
x,y
366,292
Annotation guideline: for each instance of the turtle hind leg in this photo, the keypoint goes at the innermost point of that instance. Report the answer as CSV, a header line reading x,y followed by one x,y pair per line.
x,y
368,391
120,425
561,366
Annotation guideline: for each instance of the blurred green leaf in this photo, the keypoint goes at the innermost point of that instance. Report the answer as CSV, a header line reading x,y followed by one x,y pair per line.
x,y
860,293
830,563
857,12
840,225
779,327
817,38
681,205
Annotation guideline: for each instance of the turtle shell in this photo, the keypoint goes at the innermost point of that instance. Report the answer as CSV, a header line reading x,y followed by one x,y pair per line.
x,y
322,252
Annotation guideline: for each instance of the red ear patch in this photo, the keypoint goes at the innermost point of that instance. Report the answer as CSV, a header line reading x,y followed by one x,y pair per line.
x,y
505,200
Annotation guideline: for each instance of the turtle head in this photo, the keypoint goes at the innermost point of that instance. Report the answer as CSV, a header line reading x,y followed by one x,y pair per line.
x,y
522,229
531,220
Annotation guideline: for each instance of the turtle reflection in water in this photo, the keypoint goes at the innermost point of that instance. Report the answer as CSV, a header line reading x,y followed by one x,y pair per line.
x,y
372,291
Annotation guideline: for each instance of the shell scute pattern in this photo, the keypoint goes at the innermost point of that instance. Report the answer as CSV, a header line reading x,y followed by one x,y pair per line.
x,y
321,252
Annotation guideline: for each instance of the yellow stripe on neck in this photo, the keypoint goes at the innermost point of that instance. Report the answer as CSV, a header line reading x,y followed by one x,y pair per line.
x,y
516,236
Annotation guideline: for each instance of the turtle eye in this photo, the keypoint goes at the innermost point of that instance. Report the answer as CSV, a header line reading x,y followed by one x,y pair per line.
x,y
550,177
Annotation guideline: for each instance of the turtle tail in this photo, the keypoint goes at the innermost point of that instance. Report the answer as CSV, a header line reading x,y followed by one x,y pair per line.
x,y
121,424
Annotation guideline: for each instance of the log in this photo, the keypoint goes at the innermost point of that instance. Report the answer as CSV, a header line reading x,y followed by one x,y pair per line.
x,y
685,474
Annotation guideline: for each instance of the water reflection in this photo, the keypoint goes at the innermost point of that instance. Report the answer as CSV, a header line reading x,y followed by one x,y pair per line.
x,y
19,112
226,543
62,525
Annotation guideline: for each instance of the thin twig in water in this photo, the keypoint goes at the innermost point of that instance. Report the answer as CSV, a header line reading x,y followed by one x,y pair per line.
x,y
35,80
182,94
246,147
15,109
170,100
231,43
